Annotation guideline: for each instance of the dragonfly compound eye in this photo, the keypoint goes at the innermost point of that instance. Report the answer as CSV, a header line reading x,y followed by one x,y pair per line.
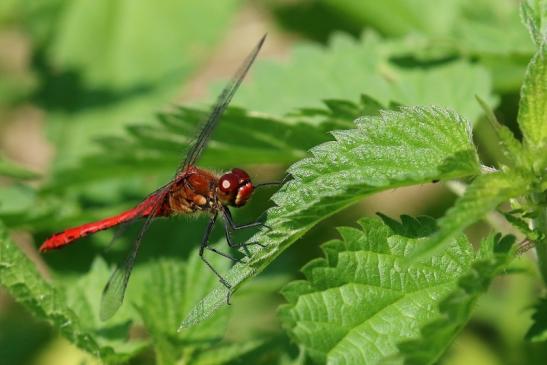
x,y
236,187
228,183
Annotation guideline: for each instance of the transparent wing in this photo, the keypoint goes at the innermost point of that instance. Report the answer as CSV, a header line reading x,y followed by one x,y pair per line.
x,y
223,100
114,290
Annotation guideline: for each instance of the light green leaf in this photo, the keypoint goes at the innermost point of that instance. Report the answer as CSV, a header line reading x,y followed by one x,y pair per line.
x,y
226,353
362,305
484,194
534,15
399,17
315,73
11,169
19,276
104,39
412,146
103,66
532,116
455,310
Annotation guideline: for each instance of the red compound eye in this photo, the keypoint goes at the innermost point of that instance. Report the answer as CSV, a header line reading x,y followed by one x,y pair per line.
x,y
229,183
242,175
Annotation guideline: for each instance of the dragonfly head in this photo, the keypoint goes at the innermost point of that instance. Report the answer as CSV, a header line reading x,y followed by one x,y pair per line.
x,y
235,187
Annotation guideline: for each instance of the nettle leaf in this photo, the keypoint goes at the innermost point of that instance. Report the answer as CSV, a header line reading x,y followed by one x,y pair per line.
x,y
533,102
412,146
316,73
534,15
11,169
91,82
512,148
242,138
20,277
362,304
484,194
494,257
538,330
172,288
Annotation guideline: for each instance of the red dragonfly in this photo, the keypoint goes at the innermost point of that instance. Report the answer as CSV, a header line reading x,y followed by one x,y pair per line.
x,y
192,190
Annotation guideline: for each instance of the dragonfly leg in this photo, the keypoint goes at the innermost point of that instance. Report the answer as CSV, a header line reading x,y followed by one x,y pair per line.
x,y
205,245
229,225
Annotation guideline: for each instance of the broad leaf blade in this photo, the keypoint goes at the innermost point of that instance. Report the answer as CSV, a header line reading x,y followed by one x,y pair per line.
x,y
415,145
455,310
532,116
315,73
19,276
485,193
360,301
171,289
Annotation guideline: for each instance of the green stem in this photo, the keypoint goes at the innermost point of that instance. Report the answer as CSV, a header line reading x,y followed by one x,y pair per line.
x,y
541,246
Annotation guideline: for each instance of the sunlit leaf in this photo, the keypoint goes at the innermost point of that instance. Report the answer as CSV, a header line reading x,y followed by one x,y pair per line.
x,y
532,115
317,73
412,146
484,194
362,305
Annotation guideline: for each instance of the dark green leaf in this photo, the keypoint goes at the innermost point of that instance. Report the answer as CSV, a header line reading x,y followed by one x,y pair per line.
x,y
538,330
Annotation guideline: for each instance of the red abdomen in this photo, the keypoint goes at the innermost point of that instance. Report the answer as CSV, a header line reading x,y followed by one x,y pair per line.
x,y
66,237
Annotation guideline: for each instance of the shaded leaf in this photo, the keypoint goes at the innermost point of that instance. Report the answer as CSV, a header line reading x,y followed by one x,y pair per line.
x,y
19,276
538,330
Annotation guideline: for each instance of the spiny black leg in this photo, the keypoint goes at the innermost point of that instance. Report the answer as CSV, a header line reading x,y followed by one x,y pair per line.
x,y
230,220
203,246
229,224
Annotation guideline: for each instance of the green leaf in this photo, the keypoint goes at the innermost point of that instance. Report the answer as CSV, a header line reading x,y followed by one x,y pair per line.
x,y
92,81
484,194
512,148
399,17
241,139
226,353
10,169
412,146
533,102
315,73
534,16
173,287
19,276
456,309
538,330
362,305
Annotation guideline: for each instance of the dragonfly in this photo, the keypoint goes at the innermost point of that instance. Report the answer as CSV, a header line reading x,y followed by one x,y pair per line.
x,y
192,190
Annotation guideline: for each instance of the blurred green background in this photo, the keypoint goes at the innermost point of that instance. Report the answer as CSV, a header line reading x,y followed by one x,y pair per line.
x,y
74,74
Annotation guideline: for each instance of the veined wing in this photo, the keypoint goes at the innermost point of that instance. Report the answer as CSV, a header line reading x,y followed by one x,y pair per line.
x,y
207,127
114,291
